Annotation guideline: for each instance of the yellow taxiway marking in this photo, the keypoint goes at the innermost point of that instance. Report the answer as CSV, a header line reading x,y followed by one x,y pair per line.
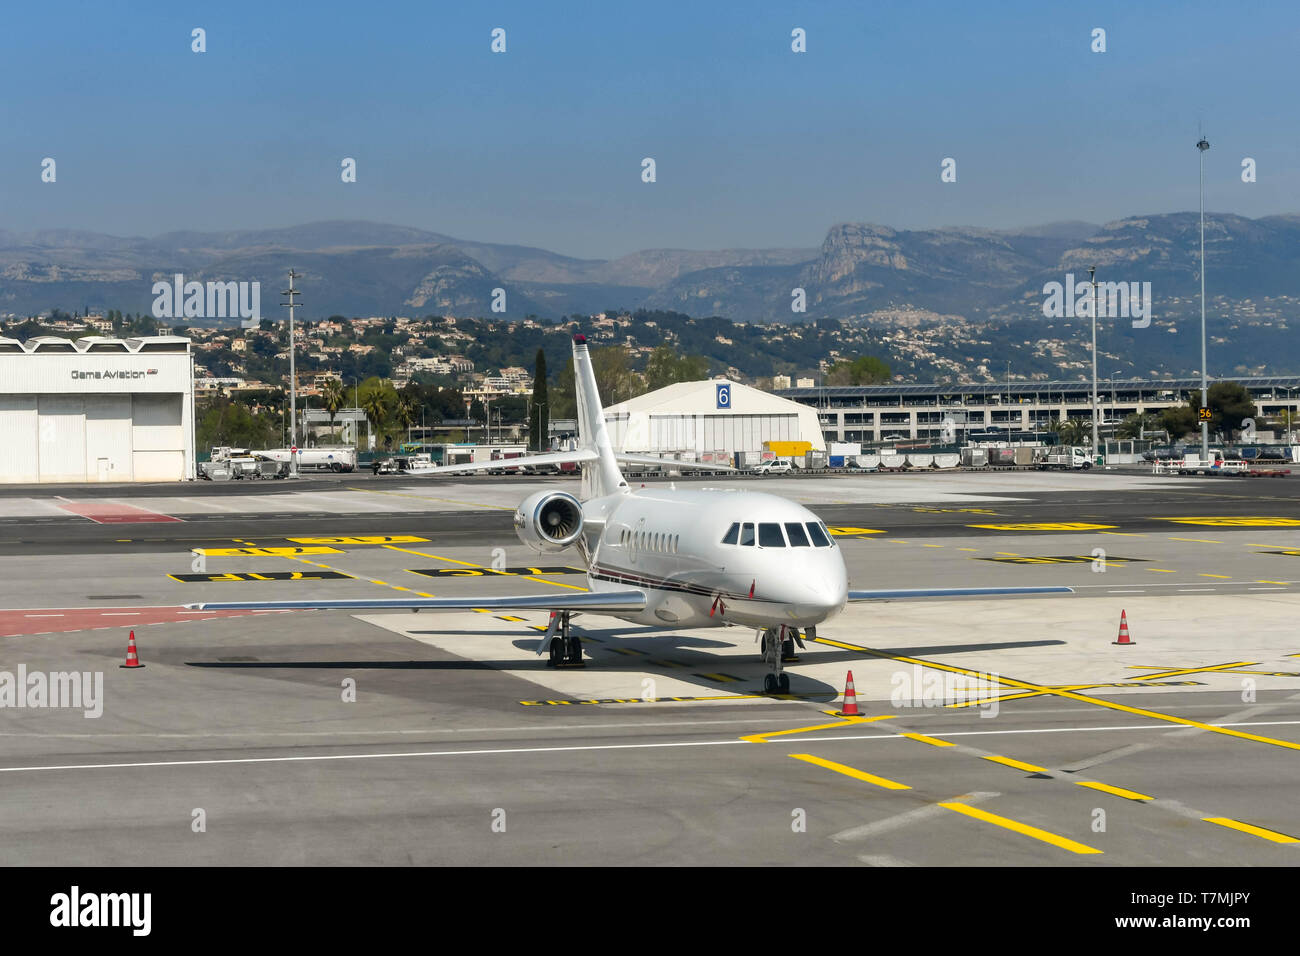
x,y
327,567
932,546
1044,526
1117,791
1224,576
1223,522
364,539
842,722
454,501
1018,764
263,552
471,564
839,530
1055,839
1009,554
852,772
968,549
1197,540
1124,534
1272,582
1188,670
897,541
1162,570
1272,835
1011,682
933,741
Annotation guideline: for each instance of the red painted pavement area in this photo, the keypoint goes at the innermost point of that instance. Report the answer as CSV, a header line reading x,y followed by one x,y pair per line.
x,y
108,512
35,620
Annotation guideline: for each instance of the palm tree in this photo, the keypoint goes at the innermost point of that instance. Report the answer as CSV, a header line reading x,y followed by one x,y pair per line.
x,y
332,398
1072,431
375,404
407,406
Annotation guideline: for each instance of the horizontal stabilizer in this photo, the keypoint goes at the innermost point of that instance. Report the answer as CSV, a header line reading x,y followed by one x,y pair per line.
x,y
669,462
576,456
579,601
904,593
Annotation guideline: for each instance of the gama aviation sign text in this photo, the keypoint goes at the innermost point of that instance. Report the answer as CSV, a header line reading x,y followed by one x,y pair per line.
x,y
114,373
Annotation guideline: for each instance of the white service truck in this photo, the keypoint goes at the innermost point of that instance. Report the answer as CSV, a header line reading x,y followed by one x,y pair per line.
x,y
1063,457
333,458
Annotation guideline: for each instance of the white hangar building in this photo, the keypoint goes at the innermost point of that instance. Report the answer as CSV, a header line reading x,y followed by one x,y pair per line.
x,y
96,409
715,415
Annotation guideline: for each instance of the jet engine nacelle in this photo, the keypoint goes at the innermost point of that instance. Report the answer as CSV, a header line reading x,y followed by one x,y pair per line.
x,y
549,521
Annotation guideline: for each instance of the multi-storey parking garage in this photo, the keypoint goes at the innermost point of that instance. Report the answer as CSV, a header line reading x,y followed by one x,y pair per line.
x,y
96,409
884,412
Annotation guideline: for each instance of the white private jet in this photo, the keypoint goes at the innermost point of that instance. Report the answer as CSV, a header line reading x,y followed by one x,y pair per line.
x,y
669,557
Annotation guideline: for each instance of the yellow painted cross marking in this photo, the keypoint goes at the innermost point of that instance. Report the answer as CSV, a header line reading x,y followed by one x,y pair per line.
x,y
843,722
1054,839
853,531
1189,670
934,741
471,564
263,552
364,539
1044,526
1117,791
851,772
1010,682
1272,835
1017,764
1262,522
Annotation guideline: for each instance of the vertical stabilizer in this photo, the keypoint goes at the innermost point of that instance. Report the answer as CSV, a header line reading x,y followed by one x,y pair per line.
x,y
600,477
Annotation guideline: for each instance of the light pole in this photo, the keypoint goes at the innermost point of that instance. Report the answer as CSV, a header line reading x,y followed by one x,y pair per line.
x,y
1288,389
293,379
541,439
1201,147
1092,278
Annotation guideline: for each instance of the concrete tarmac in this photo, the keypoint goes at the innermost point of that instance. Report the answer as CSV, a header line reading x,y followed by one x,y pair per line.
x,y
996,732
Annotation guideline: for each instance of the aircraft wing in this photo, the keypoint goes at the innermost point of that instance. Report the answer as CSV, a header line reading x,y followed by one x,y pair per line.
x,y
904,593
669,462
550,458
631,600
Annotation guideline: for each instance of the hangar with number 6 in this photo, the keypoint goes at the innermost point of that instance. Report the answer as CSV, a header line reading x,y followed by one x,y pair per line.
x,y
96,409
710,417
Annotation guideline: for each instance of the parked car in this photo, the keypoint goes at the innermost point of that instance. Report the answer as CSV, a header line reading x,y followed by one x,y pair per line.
x,y
774,468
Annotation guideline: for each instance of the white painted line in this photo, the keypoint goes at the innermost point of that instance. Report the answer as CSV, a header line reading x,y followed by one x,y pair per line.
x,y
1265,589
905,819
1193,590
1126,592
120,614
581,748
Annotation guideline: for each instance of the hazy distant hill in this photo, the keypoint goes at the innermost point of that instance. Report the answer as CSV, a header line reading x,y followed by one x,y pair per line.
x,y
861,270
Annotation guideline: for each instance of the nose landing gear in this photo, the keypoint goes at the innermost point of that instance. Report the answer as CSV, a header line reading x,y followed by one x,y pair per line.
x,y
778,648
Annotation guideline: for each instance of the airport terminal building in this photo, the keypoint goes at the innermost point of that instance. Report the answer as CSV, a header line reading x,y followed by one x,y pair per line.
x,y
884,413
96,409
709,417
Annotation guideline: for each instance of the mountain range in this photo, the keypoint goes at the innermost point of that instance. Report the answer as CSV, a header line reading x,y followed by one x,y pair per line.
x,y
861,271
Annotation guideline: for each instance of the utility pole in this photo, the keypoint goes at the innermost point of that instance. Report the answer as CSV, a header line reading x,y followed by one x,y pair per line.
x,y
293,377
1092,278
1202,146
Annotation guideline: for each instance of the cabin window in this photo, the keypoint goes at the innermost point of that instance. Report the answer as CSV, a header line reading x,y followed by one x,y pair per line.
x,y
733,533
747,534
770,536
819,537
795,532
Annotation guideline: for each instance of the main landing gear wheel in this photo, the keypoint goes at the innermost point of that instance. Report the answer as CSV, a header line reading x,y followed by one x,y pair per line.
x,y
788,656
566,646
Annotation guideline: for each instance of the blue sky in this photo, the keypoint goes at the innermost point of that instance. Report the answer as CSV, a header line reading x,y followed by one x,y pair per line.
x,y
755,146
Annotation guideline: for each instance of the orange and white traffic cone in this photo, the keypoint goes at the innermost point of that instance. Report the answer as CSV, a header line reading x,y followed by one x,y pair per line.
x,y
132,658
850,700
1123,630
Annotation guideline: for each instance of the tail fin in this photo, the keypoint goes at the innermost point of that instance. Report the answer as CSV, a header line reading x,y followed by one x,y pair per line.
x,y
602,476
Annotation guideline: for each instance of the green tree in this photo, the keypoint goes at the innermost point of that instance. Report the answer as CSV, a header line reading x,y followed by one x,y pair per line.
x,y
865,370
407,411
378,401
665,367
1135,425
1073,431
538,407
1178,421
332,398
